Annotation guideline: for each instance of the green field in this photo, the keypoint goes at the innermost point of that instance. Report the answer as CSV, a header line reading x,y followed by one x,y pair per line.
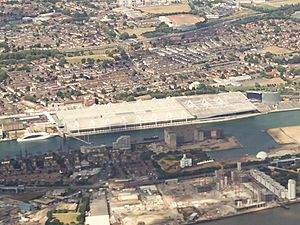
x,y
296,15
242,13
277,4
77,59
138,31
27,196
66,218
276,50
166,9
94,54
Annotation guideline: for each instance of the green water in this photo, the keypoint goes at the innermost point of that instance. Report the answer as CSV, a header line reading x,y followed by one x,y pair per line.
x,y
249,131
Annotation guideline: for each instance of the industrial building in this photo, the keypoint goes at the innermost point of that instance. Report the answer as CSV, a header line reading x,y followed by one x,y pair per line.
x,y
171,111
177,136
269,98
98,211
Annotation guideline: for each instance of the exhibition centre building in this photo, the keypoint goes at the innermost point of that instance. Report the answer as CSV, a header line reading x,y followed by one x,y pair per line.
x,y
152,113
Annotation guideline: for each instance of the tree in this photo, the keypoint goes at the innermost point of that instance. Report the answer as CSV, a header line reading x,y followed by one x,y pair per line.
x,y
62,62
3,75
60,94
30,98
90,61
124,36
281,70
163,28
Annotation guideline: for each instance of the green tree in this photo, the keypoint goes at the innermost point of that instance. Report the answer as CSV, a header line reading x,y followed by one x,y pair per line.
x,y
124,36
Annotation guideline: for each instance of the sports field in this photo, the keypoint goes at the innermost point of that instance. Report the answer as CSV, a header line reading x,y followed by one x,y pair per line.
x,y
185,19
166,9
66,218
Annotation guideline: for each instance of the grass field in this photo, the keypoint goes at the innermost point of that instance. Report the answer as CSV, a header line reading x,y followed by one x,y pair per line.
x,y
138,31
296,15
244,12
166,9
77,59
27,196
66,218
279,3
183,19
96,54
169,165
276,50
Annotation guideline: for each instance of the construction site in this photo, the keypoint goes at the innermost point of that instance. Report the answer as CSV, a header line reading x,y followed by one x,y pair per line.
x,y
190,200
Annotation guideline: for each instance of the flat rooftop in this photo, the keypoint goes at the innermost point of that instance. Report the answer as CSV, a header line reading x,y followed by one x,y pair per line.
x,y
217,105
98,206
154,112
124,114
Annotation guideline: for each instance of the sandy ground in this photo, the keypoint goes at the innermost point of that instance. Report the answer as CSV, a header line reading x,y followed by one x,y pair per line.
x,y
161,217
290,149
286,135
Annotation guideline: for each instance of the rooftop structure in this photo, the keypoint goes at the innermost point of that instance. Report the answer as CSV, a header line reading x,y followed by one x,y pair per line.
x,y
152,113
99,212
217,105
126,115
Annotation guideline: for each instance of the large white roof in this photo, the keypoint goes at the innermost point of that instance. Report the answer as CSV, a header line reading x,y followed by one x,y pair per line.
x,y
126,113
155,111
215,105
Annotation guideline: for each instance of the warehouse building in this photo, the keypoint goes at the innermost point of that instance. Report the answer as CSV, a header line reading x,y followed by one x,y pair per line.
x,y
98,211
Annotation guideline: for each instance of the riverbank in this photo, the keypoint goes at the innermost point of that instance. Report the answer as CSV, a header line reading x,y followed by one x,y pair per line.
x,y
285,135
256,210
235,215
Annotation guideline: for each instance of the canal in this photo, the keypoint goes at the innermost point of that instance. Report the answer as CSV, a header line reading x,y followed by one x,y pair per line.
x,y
249,131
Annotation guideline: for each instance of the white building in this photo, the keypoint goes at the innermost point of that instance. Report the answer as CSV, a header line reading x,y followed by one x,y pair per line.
x,y
291,189
122,142
185,162
139,3
273,186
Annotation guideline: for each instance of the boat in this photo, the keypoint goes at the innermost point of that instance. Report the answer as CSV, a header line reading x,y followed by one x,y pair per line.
x,y
35,136
153,138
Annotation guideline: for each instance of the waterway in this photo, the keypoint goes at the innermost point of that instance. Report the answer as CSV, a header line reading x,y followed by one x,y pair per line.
x,y
275,216
249,131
